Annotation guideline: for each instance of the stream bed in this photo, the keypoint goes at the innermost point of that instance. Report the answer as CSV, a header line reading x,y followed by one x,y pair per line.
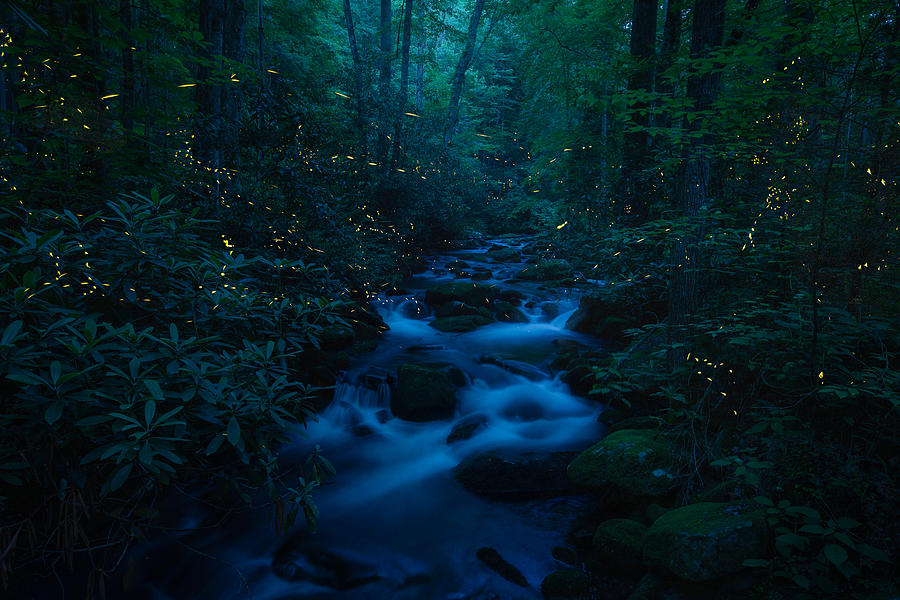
x,y
395,521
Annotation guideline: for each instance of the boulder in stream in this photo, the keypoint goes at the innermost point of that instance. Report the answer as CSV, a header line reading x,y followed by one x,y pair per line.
x,y
467,427
423,394
455,308
566,584
706,540
497,475
473,294
547,270
461,324
492,559
323,567
508,313
638,462
504,254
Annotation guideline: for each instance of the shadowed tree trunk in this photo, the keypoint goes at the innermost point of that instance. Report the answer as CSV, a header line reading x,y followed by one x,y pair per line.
x,y
404,80
635,150
459,76
384,83
356,75
694,175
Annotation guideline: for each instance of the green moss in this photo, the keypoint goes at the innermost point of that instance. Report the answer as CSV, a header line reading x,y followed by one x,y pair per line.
x,y
619,543
638,462
461,323
566,583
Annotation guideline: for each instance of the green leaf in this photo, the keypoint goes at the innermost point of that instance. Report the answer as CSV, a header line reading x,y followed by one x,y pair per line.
x,y
233,431
214,444
145,455
764,501
755,562
53,412
815,529
55,371
153,387
873,553
848,523
149,412
119,478
835,553
11,333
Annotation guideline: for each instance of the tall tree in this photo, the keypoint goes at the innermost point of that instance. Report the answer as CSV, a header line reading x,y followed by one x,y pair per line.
x,y
694,170
357,77
459,75
404,79
384,81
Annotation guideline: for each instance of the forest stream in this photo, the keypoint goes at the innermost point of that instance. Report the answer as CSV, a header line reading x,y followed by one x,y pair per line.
x,y
395,521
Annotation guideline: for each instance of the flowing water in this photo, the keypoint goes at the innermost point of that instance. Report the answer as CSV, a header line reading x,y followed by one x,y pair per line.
x,y
394,521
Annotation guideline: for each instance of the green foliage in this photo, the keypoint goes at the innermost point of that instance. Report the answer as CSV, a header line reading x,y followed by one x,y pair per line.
x,y
137,356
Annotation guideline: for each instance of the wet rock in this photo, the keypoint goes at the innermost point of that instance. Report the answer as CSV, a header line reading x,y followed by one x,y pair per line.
x,y
461,323
638,462
706,540
324,567
514,297
482,275
508,313
646,588
492,559
467,427
504,254
514,366
473,294
565,555
511,477
423,394
550,309
566,584
547,270
455,308
618,545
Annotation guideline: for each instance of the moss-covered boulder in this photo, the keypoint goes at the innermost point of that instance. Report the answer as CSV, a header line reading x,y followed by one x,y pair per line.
x,y
456,308
508,313
566,584
638,462
492,559
423,394
461,323
706,540
473,294
547,270
504,254
467,427
618,545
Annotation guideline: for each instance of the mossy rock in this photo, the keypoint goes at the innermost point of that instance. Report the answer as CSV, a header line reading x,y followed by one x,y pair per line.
x,y
566,584
500,475
638,462
492,559
456,308
706,540
461,323
618,543
473,294
547,270
423,394
336,337
504,254
508,313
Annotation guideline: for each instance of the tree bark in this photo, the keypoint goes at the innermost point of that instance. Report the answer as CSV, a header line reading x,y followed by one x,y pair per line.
x,y
404,81
356,75
384,83
635,150
694,176
459,76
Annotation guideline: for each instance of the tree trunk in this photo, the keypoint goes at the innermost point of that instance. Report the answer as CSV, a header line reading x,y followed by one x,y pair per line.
x,y
459,76
694,177
420,66
404,80
384,83
635,150
360,124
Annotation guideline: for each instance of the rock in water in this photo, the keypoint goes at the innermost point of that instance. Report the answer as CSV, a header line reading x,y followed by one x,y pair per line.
x,y
501,566
423,394
497,476
706,540
461,323
638,462
566,584
467,427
